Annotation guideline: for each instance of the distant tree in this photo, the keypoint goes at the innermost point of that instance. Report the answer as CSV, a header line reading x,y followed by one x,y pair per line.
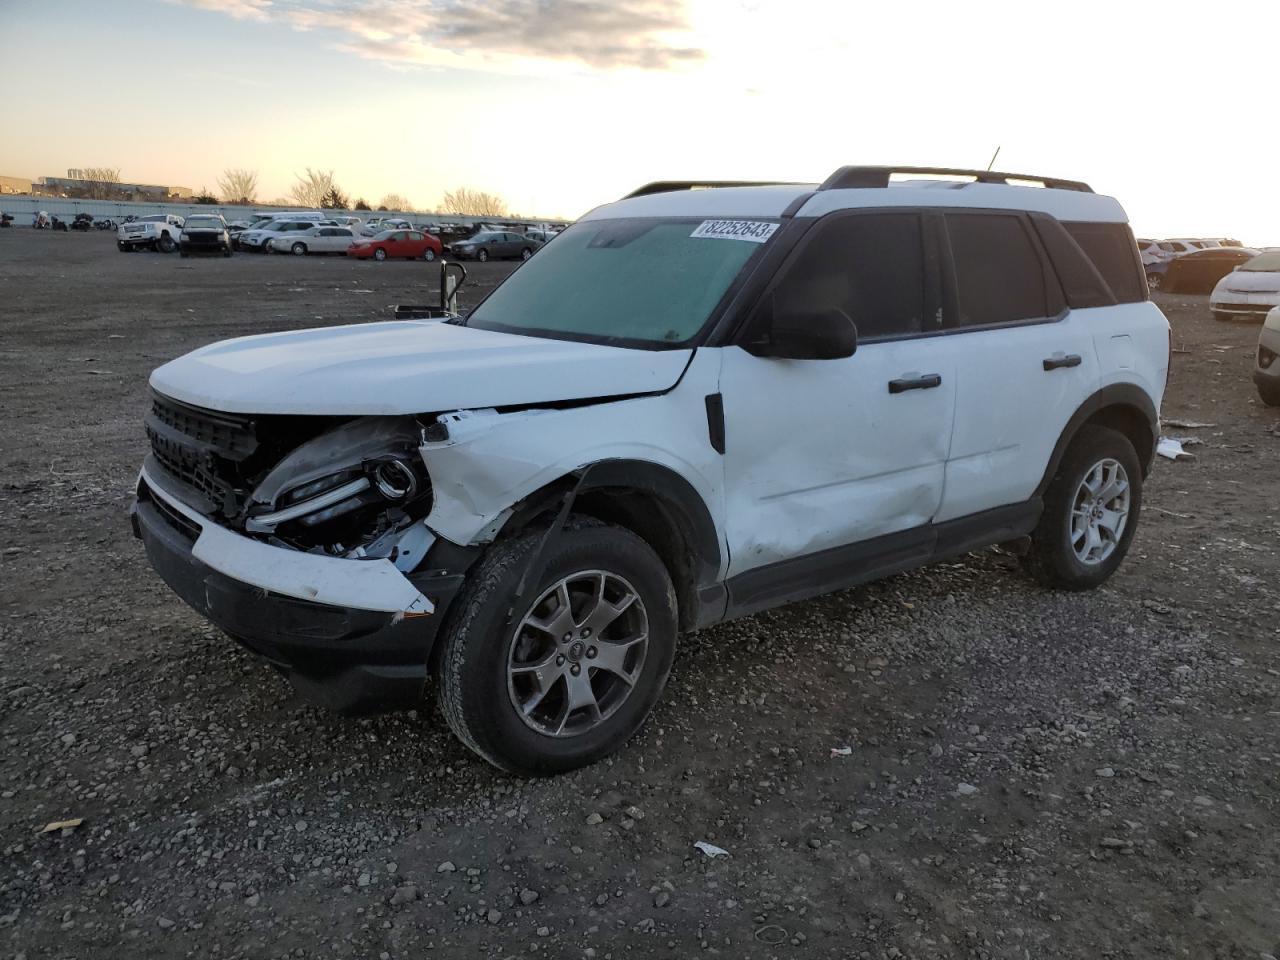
x,y
204,196
312,187
239,186
281,202
334,199
471,202
362,204
382,209
103,183
394,201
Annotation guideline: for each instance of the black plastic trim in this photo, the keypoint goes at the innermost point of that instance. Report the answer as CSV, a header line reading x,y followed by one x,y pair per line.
x,y
715,421
1115,395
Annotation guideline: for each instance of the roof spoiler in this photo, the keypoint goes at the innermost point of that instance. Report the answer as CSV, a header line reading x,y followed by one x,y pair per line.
x,y
870,177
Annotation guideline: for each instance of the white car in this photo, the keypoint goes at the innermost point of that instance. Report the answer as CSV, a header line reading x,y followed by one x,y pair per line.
x,y
313,240
259,238
694,405
159,232
1249,291
383,224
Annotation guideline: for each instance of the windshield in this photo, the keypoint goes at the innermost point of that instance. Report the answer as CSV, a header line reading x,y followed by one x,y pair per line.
x,y
1265,263
159,218
203,223
617,281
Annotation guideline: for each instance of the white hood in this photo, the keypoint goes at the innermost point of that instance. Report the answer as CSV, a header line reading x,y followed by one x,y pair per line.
x,y
1250,281
409,366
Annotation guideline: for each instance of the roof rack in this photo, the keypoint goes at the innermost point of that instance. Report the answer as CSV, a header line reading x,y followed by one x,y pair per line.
x,y
674,186
853,177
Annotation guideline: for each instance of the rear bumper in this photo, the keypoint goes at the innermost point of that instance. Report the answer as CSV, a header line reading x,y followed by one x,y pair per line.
x,y
335,649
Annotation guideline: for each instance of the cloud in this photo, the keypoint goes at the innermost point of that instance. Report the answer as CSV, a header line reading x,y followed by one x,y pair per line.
x,y
601,34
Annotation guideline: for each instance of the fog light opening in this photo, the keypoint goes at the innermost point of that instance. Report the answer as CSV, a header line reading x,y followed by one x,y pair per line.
x,y
395,479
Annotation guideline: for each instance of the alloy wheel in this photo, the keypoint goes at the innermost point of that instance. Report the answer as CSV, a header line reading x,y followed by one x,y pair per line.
x,y
577,653
1099,512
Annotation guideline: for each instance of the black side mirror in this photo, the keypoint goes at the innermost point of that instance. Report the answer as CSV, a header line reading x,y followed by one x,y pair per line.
x,y
815,335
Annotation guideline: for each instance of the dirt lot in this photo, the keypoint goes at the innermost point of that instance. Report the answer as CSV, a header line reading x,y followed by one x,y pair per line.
x,y
1032,774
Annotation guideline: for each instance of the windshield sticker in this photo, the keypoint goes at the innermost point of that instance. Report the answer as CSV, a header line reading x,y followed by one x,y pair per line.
x,y
755,231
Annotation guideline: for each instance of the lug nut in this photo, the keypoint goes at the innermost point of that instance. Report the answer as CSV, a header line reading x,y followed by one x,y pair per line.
x,y
567,638
591,653
586,633
560,660
575,669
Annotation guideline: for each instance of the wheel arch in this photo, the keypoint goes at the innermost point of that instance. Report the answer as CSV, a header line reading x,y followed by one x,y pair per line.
x,y
655,503
1124,407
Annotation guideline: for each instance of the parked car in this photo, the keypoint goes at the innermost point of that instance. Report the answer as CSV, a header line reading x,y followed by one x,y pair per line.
x,y
158,232
532,504
259,238
1156,271
204,233
82,222
1198,272
495,245
1266,371
397,244
314,240
379,225
1250,290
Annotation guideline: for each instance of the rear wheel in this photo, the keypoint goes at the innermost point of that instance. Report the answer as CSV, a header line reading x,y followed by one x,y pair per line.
x,y
526,253
482,256
299,249
562,676
1090,512
429,254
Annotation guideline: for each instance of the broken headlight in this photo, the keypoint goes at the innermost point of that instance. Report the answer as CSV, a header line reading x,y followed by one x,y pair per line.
x,y
346,489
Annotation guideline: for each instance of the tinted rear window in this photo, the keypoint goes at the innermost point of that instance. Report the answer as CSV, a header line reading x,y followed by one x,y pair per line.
x,y
999,276
1111,248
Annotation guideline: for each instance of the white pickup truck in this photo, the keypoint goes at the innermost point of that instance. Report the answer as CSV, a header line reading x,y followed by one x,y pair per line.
x,y
159,232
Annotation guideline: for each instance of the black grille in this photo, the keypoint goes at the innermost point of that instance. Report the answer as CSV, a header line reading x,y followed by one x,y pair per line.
x,y
204,449
179,522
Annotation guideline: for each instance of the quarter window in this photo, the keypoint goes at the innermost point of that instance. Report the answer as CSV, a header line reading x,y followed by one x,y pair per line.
x,y
1110,247
999,275
871,266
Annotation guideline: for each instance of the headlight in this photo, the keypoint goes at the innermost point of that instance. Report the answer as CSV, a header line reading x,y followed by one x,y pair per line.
x,y
185,235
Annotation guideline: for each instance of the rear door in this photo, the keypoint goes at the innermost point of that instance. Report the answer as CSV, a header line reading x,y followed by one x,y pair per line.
x,y
1024,362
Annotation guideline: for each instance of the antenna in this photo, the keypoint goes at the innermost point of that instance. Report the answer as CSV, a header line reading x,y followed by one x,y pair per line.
x,y
993,158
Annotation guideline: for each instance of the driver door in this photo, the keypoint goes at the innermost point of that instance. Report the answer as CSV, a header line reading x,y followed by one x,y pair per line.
x,y
840,462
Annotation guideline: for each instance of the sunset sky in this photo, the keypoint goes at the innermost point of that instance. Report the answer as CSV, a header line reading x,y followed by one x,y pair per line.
x,y
559,105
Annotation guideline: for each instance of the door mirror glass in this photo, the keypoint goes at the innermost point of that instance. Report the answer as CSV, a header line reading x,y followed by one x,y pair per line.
x,y
811,335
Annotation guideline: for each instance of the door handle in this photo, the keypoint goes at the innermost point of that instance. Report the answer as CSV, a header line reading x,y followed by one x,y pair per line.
x,y
1069,360
926,382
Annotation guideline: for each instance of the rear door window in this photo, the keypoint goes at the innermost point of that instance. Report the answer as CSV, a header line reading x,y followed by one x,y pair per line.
x,y
1111,248
999,275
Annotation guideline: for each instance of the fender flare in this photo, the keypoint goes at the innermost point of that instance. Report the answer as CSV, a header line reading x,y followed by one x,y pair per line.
x,y
1116,395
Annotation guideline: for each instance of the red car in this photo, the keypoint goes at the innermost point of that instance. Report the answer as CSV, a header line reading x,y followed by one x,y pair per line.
x,y
409,244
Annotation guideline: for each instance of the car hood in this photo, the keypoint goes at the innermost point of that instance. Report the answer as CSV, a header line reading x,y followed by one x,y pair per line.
x,y
1251,281
404,367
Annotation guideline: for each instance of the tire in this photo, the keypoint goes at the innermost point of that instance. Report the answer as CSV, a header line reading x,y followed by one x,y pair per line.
x,y
482,256
1220,316
122,247
298,249
478,695
379,254
526,253
226,251
429,254
183,253
1054,560
1154,280
1269,393
165,244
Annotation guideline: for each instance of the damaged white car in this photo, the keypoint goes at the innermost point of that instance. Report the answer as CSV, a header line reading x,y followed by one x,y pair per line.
x,y
694,405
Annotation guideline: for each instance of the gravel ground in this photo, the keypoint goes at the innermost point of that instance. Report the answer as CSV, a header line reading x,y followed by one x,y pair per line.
x,y
1029,775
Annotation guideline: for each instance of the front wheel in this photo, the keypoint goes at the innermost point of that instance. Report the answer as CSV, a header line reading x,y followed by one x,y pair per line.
x,y
1154,280
1090,512
1220,316
165,244
122,247
379,254
526,253
562,676
1269,393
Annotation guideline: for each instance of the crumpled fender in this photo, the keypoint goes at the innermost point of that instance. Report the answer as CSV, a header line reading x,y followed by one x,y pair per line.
x,y
492,460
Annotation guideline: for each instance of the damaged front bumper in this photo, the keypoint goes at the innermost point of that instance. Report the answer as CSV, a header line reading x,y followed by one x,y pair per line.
x,y
353,635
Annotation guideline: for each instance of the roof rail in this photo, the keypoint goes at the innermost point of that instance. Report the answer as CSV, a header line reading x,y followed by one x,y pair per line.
x,y
674,186
851,177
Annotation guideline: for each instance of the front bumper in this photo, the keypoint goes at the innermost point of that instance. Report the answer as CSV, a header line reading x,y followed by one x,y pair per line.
x,y
1266,370
199,244
351,635
1244,307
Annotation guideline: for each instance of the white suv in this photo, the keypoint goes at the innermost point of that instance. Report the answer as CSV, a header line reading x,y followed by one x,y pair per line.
x,y
694,405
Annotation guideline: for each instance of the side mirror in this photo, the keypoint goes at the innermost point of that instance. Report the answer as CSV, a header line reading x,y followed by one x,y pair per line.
x,y
816,335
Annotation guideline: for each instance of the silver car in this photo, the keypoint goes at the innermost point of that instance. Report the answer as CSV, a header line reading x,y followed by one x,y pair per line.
x,y
1266,371
316,239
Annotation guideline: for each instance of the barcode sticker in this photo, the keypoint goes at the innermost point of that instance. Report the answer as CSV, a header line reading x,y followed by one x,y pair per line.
x,y
754,231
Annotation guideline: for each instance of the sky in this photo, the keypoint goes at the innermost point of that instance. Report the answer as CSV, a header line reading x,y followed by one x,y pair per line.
x,y
560,105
